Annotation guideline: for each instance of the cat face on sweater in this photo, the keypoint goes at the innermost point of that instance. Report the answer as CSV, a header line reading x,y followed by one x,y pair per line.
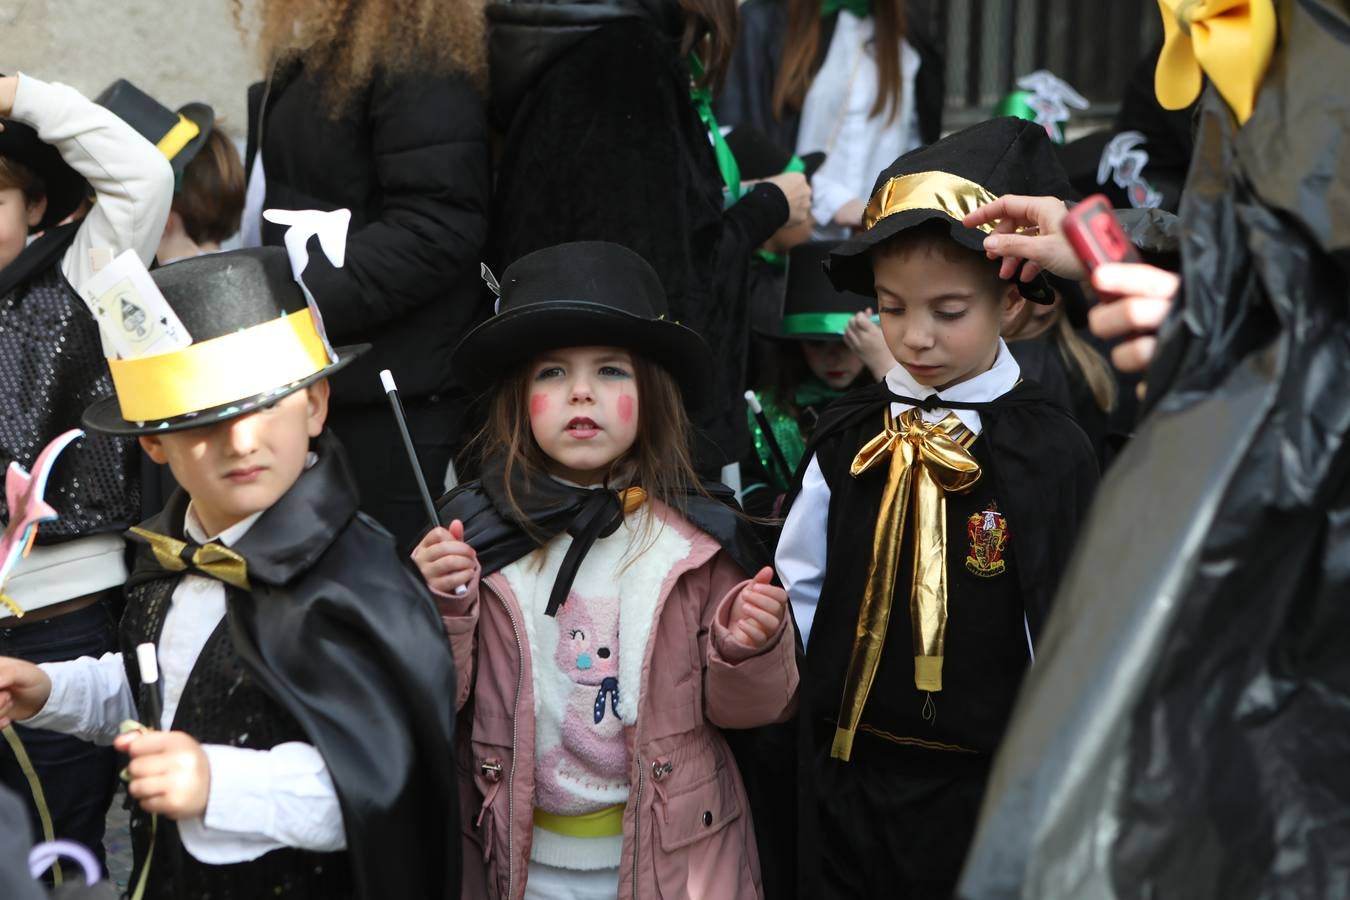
x,y
588,638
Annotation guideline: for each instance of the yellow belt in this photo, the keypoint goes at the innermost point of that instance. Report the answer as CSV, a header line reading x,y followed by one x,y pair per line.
x,y
607,822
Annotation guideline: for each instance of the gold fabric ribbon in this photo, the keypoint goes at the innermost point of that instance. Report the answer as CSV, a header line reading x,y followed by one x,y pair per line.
x,y
1231,41
632,499
924,463
938,191
211,559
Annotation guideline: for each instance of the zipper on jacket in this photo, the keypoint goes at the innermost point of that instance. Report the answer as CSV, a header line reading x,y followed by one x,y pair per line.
x,y
515,733
637,818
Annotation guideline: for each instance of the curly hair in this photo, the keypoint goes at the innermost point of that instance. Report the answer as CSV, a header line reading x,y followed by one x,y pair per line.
x,y
350,40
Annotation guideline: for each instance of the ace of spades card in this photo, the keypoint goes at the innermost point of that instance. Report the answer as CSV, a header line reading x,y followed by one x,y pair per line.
x,y
132,314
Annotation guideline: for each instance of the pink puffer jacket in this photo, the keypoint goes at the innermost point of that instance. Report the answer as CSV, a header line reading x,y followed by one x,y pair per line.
x,y
687,831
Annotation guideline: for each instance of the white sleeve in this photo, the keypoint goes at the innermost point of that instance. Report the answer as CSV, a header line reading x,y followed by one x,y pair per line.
x,y
828,197
90,698
263,800
130,177
801,548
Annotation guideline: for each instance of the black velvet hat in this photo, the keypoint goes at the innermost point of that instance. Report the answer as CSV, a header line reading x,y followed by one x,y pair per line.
x,y
588,293
65,187
178,135
254,340
813,308
759,157
945,181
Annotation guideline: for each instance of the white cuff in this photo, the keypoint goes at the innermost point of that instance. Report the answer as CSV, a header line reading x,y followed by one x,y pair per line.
x,y
802,547
828,197
90,698
263,800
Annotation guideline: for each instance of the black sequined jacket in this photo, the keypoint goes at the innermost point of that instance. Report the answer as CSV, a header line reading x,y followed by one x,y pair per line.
x,y
51,369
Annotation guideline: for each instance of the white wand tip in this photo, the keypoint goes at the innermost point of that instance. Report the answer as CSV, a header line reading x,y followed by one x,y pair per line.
x,y
461,590
387,379
754,402
146,659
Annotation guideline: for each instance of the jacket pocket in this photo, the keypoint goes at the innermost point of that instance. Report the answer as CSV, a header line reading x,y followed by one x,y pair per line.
x,y
488,818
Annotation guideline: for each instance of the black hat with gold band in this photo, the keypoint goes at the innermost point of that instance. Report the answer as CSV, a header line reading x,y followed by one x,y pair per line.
x,y
178,135
945,181
254,339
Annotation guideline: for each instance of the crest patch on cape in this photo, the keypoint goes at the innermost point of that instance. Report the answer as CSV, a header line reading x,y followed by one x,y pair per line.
x,y
988,533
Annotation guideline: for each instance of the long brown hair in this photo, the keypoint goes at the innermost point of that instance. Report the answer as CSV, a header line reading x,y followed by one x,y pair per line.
x,y
211,199
710,30
1077,353
802,56
659,461
349,40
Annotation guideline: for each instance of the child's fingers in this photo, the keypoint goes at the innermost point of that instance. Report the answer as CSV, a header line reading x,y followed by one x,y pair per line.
x,y
750,634
764,575
441,551
457,530
446,565
147,743
750,613
149,766
151,786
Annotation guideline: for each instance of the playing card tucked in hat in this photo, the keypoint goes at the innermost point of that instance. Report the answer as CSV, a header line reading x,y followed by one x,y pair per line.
x,y
205,339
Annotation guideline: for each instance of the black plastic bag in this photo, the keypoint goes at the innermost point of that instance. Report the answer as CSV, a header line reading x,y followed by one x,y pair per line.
x,y
1185,731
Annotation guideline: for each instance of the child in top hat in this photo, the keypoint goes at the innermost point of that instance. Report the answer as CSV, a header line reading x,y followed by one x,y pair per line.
x,y
66,593
301,677
208,173
948,495
599,601
808,366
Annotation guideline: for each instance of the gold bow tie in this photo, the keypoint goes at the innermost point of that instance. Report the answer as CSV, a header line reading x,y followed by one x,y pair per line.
x,y
925,461
210,559
1230,40
631,499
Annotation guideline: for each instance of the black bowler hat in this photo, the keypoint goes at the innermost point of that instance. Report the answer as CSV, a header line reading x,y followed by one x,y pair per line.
x,y
64,186
813,308
588,293
178,135
945,181
759,157
254,341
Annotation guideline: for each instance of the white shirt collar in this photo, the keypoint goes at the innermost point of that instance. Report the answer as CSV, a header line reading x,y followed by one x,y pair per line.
x,y
988,385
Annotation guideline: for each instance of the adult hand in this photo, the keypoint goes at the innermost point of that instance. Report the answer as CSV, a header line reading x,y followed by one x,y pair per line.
x,y
865,338
1135,300
850,214
1041,244
24,689
797,190
757,611
445,561
169,772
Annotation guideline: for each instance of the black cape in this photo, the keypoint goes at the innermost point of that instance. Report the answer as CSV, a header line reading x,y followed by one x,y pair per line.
x,y
1185,729
331,594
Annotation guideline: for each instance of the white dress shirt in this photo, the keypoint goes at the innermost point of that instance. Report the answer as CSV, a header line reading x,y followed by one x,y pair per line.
x,y
259,800
837,118
801,548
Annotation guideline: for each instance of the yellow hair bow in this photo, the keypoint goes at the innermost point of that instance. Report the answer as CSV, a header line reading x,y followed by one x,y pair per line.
x,y
1231,41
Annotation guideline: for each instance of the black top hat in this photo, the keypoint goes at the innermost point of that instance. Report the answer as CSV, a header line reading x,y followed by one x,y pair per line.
x,y
178,135
65,187
582,294
813,308
945,181
254,340
759,157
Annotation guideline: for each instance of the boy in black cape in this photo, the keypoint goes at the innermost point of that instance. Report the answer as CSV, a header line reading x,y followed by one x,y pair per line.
x,y
302,667
952,490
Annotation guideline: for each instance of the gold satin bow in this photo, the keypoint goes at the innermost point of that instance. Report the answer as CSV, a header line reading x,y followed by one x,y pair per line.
x,y
211,559
631,499
925,461
1230,40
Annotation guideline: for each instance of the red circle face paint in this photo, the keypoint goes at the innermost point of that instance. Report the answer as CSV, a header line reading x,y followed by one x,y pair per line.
x,y
538,405
626,408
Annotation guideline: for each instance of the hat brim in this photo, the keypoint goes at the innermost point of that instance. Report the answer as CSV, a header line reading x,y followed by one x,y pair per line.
x,y
850,264
106,415
511,338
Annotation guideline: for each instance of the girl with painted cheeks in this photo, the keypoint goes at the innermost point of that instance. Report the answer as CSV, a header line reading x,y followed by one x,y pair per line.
x,y
607,611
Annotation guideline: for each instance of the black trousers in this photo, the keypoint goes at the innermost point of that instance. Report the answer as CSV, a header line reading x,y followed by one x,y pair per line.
x,y
893,827
379,462
78,778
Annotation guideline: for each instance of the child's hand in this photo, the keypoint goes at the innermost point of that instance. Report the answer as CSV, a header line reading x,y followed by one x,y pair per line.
x,y
1140,297
169,772
24,689
9,86
1040,244
865,338
757,612
445,561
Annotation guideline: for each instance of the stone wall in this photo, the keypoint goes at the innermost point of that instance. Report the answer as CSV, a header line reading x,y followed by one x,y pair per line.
x,y
176,50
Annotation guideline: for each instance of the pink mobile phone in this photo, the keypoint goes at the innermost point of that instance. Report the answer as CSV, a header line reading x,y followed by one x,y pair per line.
x,y
1095,234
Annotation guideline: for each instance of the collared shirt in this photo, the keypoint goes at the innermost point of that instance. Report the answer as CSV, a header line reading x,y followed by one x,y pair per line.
x,y
801,548
837,118
259,800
